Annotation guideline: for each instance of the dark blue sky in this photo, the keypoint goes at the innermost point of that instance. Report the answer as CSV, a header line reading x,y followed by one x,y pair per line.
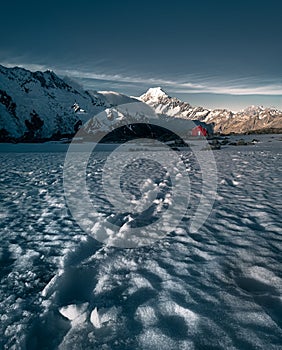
x,y
211,53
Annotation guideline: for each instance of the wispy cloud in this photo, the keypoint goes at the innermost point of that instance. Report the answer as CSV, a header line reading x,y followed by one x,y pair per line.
x,y
267,89
247,86
191,84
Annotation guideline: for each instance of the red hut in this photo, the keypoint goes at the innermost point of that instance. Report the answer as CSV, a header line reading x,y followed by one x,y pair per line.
x,y
199,131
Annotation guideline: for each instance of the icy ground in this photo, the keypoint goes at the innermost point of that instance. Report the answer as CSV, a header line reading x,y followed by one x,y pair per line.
x,y
220,288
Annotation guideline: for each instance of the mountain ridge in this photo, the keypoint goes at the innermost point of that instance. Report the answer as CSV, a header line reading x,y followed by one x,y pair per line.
x,y
40,106
225,121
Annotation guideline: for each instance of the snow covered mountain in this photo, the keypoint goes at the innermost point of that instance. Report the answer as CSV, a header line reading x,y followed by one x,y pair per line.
x,y
41,105
225,121
36,105
114,98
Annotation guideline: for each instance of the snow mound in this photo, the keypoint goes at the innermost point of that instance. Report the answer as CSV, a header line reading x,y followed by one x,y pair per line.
x,y
114,98
73,311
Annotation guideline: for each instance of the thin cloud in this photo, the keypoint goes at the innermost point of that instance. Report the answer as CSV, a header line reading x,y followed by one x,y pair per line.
x,y
243,87
210,85
273,90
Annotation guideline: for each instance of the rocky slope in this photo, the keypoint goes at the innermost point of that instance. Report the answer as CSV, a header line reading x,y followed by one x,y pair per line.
x,y
225,121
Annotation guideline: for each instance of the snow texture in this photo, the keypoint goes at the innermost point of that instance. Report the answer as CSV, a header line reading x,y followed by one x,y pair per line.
x,y
219,288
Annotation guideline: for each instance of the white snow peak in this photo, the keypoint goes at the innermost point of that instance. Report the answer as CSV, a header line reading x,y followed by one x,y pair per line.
x,y
155,93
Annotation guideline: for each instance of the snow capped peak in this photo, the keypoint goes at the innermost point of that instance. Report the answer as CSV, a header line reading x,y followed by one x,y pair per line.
x,y
157,91
253,108
154,94
251,118
39,105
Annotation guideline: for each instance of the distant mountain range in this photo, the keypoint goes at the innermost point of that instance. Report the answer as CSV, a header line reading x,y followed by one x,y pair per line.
x,y
225,121
40,106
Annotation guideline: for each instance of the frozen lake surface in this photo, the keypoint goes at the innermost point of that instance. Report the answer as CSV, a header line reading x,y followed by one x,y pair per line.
x,y
219,288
